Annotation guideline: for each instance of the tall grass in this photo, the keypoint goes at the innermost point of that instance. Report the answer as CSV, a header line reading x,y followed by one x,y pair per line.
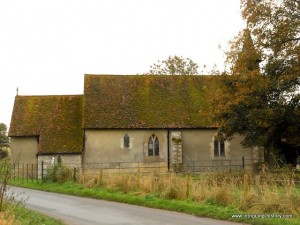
x,y
7,218
253,193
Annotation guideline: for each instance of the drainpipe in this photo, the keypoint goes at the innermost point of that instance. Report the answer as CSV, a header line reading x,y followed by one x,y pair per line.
x,y
83,142
168,138
83,150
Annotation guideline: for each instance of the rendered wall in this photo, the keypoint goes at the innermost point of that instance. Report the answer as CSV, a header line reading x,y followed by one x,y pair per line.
x,y
106,146
193,148
198,150
24,150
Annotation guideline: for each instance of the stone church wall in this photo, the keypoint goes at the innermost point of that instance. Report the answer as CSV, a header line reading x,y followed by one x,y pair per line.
x,y
69,160
105,148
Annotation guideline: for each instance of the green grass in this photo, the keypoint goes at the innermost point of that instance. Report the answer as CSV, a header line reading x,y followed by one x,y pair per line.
x,y
28,217
14,212
207,209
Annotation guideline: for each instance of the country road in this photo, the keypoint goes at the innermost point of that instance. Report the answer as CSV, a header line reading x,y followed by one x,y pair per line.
x,y
83,211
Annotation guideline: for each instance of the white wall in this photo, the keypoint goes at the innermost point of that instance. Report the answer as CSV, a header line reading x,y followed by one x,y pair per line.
x,y
107,146
24,149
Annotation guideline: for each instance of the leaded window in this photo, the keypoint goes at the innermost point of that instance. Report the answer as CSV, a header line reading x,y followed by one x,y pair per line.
x,y
216,147
222,147
156,146
150,147
153,146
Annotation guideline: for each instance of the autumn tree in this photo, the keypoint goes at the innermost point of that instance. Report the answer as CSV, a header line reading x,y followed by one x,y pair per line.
x,y
260,100
174,65
3,141
243,56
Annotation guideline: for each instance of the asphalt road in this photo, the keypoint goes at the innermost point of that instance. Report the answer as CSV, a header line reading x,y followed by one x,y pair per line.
x,y
84,211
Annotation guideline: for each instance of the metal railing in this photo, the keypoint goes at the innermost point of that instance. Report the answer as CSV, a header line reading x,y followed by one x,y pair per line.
x,y
35,171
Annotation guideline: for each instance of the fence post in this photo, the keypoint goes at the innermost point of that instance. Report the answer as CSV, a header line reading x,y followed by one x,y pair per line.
x,y
27,172
257,185
23,172
243,162
18,170
14,171
100,177
37,171
32,172
246,184
42,170
187,193
74,174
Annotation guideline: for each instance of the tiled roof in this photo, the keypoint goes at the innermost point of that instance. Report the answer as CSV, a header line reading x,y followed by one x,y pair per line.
x,y
114,102
145,101
55,119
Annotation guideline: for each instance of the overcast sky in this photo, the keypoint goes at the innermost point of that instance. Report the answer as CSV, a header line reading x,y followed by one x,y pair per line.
x,y
46,47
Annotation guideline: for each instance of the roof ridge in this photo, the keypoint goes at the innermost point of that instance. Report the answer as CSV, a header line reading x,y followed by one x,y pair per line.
x,y
72,95
151,75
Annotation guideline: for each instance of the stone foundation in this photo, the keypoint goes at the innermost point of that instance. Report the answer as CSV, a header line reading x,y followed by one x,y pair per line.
x,y
68,160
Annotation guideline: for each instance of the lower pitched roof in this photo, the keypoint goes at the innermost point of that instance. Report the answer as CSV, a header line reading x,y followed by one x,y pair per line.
x,y
56,120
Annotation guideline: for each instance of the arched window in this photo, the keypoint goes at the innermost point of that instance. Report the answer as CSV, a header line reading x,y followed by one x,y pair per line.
x,y
156,146
150,147
219,146
222,147
216,146
153,146
126,141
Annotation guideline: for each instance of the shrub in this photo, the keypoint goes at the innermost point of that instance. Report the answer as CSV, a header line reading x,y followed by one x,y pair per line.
x,y
59,173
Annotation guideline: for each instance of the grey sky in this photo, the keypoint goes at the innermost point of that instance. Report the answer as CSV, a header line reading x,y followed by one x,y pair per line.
x,y
46,47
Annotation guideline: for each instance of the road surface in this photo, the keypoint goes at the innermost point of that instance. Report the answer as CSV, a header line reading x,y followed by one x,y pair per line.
x,y
84,211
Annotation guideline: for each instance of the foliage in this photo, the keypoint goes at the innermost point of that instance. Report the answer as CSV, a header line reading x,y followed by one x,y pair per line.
x,y
3,141
59,173
17,214
217,195
25,216
174,65
243,56
4,177
261,99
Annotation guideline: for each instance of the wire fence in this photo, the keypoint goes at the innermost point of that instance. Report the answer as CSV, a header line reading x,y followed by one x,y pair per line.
x,y
24,171
39,171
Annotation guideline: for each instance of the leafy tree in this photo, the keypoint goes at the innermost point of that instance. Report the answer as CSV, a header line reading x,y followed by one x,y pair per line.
x,y
261,99
3,141
243,56
174,65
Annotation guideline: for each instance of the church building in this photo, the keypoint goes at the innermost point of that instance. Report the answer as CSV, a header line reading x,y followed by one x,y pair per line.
x,y
130,118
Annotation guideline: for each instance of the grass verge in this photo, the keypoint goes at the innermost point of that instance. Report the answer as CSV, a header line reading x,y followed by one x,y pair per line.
x,y
17,214
28,217
207,209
